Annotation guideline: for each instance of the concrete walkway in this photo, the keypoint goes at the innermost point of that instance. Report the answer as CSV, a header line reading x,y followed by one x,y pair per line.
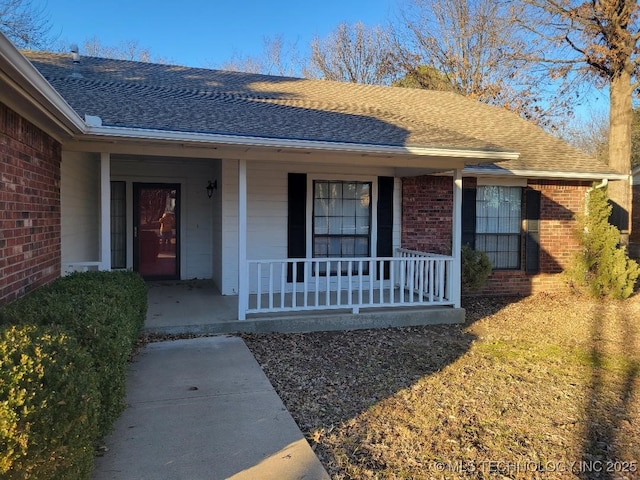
x,y
203,409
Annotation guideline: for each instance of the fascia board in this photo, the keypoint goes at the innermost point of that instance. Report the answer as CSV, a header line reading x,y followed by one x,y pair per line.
x,y
548,174
247,141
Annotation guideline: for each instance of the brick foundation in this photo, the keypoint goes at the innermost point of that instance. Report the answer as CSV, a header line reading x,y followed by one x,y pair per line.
x,y
426,226
29,206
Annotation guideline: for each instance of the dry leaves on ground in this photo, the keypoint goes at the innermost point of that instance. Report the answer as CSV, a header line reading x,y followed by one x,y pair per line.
x,y
524,389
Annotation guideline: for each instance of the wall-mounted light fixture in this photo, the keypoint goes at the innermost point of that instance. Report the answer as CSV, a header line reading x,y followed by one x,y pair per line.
x,y
211,187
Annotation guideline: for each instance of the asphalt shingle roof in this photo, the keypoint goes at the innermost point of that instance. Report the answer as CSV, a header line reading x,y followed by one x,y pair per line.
x,y
183,99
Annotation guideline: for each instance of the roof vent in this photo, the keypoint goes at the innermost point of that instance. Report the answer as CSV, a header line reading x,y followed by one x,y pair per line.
x,y
92,120
75,56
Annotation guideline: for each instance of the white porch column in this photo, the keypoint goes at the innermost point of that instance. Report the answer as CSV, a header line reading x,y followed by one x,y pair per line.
x,y
456,239
105,211
243,279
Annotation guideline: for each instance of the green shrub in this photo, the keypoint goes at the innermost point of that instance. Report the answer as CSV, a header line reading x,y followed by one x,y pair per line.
x,y
601,267
125,288
104,311
476,268
48,400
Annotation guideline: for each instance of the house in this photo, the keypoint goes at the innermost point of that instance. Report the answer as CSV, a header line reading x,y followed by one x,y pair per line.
x,y
293,194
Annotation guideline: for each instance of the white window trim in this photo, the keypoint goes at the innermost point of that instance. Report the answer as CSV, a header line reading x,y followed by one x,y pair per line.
x,y
501,182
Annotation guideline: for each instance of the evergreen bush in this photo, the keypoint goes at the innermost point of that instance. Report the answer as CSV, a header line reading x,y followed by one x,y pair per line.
x,y
104,311
48,404
602,267
476,268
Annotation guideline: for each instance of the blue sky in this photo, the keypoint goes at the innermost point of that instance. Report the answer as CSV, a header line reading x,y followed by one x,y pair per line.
x,y
207,33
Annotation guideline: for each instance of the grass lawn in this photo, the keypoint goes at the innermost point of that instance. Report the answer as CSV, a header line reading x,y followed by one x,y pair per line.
x,y
546,386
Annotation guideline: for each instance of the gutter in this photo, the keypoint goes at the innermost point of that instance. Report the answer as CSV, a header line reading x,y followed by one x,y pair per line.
x,y
250,141
503,172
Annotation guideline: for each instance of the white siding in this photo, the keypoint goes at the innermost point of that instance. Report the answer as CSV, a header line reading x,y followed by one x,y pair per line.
x,y
80,207
229,232
267,210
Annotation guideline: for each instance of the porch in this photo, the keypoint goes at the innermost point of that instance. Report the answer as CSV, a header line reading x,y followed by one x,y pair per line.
x,y
197,307
281,263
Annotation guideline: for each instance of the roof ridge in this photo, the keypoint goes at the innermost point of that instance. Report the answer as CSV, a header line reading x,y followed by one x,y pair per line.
x,y
156,87
318,81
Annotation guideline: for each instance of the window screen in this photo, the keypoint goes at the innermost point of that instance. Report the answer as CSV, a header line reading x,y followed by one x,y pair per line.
x,y
498,224
341,219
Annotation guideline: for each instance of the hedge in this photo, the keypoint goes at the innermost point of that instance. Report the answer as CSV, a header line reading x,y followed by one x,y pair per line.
x,y
48,415
103,313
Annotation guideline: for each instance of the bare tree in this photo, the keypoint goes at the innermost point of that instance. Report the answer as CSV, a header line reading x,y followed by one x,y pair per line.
x,y
26,25
590,135
126,50
478,49
246,64
278,57
600,40
353,53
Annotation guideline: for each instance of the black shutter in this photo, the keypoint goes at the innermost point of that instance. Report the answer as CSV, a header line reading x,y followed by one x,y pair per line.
x,y
297,222
532,252
469,217
384,247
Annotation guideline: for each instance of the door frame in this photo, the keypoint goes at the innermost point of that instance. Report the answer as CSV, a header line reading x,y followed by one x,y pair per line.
x,y
137,186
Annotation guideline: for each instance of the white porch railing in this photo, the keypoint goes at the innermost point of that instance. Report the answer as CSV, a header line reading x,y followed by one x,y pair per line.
x,y
409,278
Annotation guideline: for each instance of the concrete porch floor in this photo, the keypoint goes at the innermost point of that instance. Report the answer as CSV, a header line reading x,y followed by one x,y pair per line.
x,y
197,307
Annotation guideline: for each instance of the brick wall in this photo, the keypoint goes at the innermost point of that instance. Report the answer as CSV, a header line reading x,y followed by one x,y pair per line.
x,y
29,206
559,203
427,213
426,226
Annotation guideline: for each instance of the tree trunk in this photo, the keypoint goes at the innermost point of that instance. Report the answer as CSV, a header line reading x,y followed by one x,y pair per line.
x,y
620,117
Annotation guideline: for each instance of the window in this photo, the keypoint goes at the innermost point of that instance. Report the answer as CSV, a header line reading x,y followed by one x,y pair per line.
x,y
341,219
118,225
498,224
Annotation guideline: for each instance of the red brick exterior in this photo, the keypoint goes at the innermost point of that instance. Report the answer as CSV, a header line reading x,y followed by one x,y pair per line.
x,y
427,213
426,226
29,206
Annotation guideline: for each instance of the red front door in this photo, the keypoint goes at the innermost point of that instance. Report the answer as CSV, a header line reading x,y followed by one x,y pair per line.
x,y
156,239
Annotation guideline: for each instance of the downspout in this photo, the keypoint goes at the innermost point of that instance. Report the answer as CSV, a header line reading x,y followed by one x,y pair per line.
x,y
602,184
